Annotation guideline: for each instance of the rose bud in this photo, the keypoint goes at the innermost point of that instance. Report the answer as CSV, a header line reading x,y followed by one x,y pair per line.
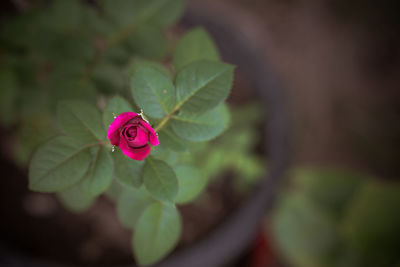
x,y
132,134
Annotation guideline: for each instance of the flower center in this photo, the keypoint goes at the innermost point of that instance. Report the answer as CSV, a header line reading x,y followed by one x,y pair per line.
x,y
131,132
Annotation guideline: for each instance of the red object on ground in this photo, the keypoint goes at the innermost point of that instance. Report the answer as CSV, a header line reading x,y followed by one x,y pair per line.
x,y
262,254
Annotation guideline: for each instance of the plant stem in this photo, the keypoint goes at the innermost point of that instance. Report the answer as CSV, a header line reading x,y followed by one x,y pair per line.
x,y
162,123
167,118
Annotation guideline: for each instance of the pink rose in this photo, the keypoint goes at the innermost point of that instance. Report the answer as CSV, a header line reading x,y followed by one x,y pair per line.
x,y
132,134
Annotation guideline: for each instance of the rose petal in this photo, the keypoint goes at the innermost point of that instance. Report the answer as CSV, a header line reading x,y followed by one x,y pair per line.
x,y
114,128
141,138
153,139
135,153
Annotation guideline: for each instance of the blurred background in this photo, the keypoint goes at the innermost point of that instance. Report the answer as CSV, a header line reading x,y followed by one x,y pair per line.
x,y
339,205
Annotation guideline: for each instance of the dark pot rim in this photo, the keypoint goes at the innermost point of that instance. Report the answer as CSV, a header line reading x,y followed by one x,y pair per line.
x,y
234,235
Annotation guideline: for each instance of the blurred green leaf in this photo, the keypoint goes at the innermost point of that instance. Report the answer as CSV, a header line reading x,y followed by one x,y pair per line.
x,y
160,180
16,32
100,173
58,164
197,128
133,13
372,223
127,171
170,140
169,156
202,85
74,199
117,55
306,235
157,232
194,46
97,25
191,183
115,106
148,42
163,12
153,92
140,62
114,191
131,204
33,131
71,88
330,188
65,15
121,12
81,121
109,78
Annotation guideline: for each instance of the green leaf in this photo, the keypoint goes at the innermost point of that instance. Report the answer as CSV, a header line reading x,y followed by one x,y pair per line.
x,y
164,12
117,54
65,20
160,180
33,131
131,204
58,164
194,46
137,63
148,42
157,232
169,156
204,127
372,223
74,199
121,12
114,191
109,78
191,183
202,85
306,234
96,24
115,106
65,87
100,173
153,92
138,12
169,139
81,121
330,188
127,171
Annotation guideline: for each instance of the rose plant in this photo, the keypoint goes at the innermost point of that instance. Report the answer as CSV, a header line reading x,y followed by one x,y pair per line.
x,y
109,114
184,104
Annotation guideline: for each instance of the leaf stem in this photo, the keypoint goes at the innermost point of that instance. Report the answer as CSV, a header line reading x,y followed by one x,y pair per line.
x,y
167,118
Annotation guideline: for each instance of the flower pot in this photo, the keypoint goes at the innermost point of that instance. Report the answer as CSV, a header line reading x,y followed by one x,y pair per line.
x,y
227,241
